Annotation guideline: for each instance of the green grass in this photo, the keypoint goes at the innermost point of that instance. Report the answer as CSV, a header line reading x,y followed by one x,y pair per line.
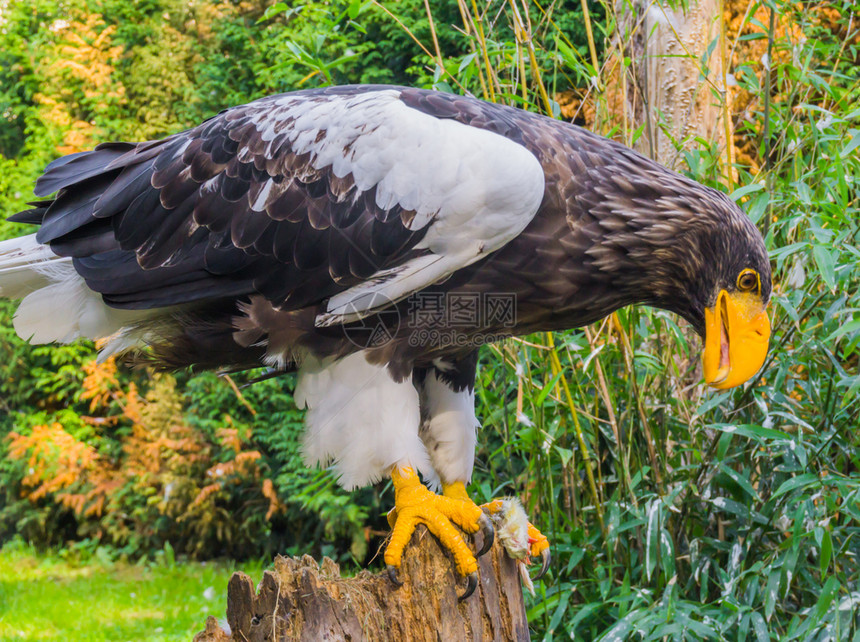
x,y
46,597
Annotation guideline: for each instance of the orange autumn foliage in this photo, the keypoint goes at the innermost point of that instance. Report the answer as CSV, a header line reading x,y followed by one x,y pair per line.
x,y
182,472
80,80
55,459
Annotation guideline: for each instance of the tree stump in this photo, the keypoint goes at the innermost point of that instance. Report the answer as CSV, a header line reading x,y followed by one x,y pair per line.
x,y
304,600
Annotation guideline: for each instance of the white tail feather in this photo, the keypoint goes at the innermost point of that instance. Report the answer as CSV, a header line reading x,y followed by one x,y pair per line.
x,y
21,264
57,305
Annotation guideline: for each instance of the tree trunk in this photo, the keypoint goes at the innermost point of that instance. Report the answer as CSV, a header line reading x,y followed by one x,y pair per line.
x,y
303,600
664,89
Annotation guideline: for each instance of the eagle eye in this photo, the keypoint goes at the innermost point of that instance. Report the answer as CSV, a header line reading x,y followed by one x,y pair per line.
x,y
748,280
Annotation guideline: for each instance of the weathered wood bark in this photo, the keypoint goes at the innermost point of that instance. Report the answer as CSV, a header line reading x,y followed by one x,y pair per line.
x,y
304,600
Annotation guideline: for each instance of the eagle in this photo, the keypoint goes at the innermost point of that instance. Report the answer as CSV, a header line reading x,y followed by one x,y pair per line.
x,y
372,239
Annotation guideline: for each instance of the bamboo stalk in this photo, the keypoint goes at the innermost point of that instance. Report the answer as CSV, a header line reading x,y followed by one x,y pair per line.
x,y
522,31
404,27
649,436
468,28
555,363
613,422
538,74
479,28
519,30
768,161
439,60
591,48
725,95
415,40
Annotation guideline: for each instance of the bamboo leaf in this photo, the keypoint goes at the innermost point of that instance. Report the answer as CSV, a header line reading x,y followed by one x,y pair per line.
x,y
801,481
826,550
652,540
826,265
740,192
852,144
759,626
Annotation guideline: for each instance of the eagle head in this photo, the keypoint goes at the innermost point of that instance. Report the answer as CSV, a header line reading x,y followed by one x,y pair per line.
x,y
734,323
661,239
715,273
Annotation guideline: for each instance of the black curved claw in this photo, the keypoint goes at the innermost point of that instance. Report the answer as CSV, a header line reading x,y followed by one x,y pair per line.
x,y
488,532
546,557
392,575
470,587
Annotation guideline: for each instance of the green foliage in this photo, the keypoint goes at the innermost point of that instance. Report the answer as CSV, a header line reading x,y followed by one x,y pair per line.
x,y
146,69
316,509
742,521
717,515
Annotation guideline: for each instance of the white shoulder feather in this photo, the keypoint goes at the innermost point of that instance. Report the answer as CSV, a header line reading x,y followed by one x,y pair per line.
x,y
475,189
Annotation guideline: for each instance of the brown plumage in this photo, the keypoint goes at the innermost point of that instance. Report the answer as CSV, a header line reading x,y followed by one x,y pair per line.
x,y
242,240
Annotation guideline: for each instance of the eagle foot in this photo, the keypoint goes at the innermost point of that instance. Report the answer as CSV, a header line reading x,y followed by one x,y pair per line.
x,y
457,491
519,536
414,504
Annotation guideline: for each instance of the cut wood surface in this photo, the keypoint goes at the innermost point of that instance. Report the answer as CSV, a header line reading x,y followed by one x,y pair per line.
x,y
302,599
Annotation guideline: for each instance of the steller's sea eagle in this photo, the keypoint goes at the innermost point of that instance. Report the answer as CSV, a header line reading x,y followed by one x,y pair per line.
x,y
371,238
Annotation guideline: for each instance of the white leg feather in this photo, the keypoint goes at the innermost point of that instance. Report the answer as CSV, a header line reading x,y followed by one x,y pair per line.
x,y
449,429
359,420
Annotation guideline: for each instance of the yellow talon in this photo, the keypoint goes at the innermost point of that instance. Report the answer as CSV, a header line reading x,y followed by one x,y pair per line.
x,y
493,506
457,490
538,542
414,504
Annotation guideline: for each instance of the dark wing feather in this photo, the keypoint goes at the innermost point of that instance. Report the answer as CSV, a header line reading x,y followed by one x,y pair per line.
x,y
284,197
215,212
33,216
74,168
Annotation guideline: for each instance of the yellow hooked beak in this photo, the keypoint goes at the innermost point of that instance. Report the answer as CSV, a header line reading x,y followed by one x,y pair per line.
x,y
737,331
